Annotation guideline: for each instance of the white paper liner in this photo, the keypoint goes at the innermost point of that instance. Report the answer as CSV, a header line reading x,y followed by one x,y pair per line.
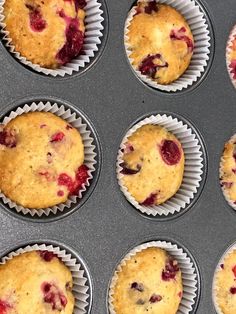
x,y
232,36
80,282
192,168
93,33
189,277
198,25
89,153
218,268
224,189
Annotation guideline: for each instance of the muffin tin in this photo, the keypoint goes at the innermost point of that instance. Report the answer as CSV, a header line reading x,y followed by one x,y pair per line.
x,y
106,226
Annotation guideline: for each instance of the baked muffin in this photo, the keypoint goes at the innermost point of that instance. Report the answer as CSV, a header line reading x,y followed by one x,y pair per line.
x,y
149,282
41,160
35,282
232,58
153,165
160,41
228,170
48,33
225,284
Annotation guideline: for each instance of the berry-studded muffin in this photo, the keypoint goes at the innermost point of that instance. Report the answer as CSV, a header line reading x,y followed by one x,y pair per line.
x,y
231,56
35,282
153,165
148,282
225,284
160,41
41,160
48,33
228,170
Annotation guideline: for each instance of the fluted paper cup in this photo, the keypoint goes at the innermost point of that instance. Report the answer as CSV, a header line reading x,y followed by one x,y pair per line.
x,y
231,69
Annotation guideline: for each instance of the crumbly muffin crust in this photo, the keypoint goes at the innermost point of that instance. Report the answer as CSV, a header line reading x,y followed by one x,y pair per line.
x,y
148,282
41,160
153,165
161,42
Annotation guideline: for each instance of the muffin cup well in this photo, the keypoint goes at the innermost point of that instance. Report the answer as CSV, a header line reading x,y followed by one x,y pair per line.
x,y
80,281
192,169
200,30
92,39
89,153
230,249
232,36
189,274
221,173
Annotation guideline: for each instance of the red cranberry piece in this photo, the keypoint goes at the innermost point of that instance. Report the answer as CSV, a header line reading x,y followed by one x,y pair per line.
x,y
234,171
80,4
180,294
222,266
4,307
180,35
80,179
128,148
8,138
66,180
227,185
137,286
47,256
148,67
149,201
57,137
37,23
138,11
234,270
155,298
128,171
151,6
170,152
74,41
68,127
53,296
233,290
233,68
60,193
170,271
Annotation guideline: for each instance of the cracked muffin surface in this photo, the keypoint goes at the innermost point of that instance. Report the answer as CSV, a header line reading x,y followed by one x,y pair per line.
x,y
160,41
48,33
41,160
36,282
150,281
153,165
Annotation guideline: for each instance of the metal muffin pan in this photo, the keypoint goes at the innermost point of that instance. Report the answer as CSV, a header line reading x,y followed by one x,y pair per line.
x,y
107,226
